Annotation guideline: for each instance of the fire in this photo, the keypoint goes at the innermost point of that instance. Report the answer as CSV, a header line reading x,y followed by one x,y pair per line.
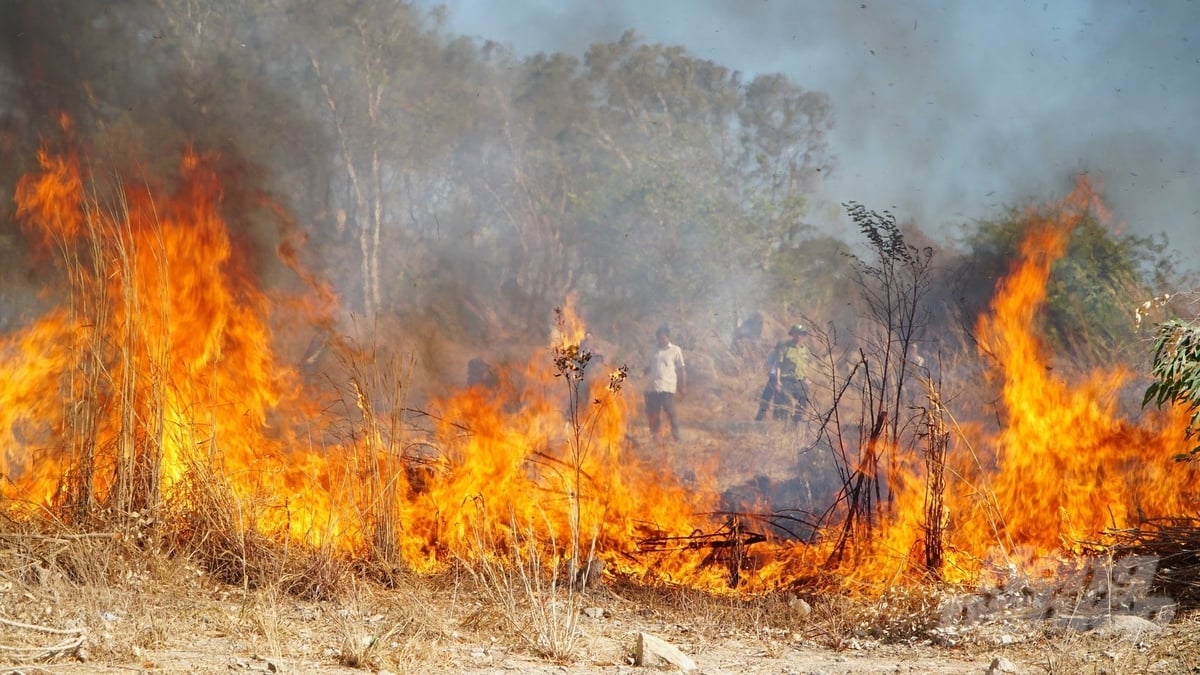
x,y
533,469
161,366
1064,468
1067,465
160,359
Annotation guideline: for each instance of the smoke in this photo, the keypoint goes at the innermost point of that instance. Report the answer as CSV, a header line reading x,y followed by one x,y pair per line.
x,y
142,83
945,112
942,113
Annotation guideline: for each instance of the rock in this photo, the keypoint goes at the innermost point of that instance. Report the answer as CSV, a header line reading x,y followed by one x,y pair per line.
x,y
800,606
1002,665
654,651
594,612
1126,626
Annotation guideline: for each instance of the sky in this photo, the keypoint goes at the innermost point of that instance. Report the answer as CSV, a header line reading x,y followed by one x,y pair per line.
x,y
944,112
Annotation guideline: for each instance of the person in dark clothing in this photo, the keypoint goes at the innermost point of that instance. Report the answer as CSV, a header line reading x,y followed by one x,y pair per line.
x,y
786,387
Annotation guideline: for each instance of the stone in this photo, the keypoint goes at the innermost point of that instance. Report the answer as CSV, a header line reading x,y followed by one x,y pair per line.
x,y
1127,626
800,606
653,651
1002,665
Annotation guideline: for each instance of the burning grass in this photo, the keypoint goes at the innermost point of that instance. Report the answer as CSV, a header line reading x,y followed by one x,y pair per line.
x,y
154,412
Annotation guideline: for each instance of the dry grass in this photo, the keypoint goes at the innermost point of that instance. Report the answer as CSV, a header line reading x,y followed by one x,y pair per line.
x,y
213,527
264,610
377,428
536,596
95,597
157,608
388,629
60,583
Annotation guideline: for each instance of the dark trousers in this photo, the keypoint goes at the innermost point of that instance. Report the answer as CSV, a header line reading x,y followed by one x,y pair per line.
x,y
787,400
766,402
659,403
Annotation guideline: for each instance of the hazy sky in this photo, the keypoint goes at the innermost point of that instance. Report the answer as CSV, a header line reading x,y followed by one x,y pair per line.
x,y
944,111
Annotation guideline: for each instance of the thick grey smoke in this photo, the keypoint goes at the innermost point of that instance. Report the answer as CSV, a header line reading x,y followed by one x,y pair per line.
x,y
946,111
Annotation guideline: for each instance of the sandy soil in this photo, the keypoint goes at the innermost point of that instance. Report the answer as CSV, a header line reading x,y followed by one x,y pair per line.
x,y
83,604
162,616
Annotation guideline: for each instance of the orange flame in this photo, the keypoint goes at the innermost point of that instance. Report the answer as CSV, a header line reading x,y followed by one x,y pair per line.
x,y
171,329
1068,465
164,351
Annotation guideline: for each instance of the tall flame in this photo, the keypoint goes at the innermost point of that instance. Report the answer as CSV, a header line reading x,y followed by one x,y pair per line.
x,y
1067,465
170,331
161,363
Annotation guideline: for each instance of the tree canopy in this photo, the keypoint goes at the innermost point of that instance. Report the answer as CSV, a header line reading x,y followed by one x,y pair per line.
x,y
443,176
1092,289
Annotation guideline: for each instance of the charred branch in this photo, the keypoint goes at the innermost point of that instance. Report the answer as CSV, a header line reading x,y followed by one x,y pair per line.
x,y
1174,543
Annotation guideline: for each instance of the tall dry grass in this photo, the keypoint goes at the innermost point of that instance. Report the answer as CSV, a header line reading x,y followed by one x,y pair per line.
x,y
522,568
110,431
377,432
537,576
107,434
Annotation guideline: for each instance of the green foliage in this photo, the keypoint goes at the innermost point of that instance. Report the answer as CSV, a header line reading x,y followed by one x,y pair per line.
x,y
1176,372
1091,291
443,171
813,273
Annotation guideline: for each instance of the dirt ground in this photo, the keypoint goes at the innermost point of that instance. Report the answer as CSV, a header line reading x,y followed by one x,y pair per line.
x,y
166,617
75,604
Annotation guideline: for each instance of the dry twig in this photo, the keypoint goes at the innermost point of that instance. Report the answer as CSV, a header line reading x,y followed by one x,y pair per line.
x,y
73,640
1175,543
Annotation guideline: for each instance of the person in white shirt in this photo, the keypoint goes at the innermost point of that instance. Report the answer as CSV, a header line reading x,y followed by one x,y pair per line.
x,y
667,378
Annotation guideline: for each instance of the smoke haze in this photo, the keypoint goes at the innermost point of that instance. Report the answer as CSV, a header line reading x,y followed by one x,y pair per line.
x,y
941,113
946,111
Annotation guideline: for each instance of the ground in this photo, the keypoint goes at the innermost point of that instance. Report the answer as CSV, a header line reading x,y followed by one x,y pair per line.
x,y
104,601
172,618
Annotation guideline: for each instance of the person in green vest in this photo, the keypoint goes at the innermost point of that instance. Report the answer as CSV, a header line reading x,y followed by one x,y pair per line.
x,y
787,380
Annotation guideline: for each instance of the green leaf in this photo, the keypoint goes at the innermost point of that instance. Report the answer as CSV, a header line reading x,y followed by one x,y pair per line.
x,y
1151,391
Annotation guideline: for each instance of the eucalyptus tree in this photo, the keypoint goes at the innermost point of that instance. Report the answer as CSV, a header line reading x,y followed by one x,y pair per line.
x,y
374,75
1176,373
708,175
1092,289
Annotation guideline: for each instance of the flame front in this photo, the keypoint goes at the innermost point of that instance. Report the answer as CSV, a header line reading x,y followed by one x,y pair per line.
x,y
163,358
160,365
1067,466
